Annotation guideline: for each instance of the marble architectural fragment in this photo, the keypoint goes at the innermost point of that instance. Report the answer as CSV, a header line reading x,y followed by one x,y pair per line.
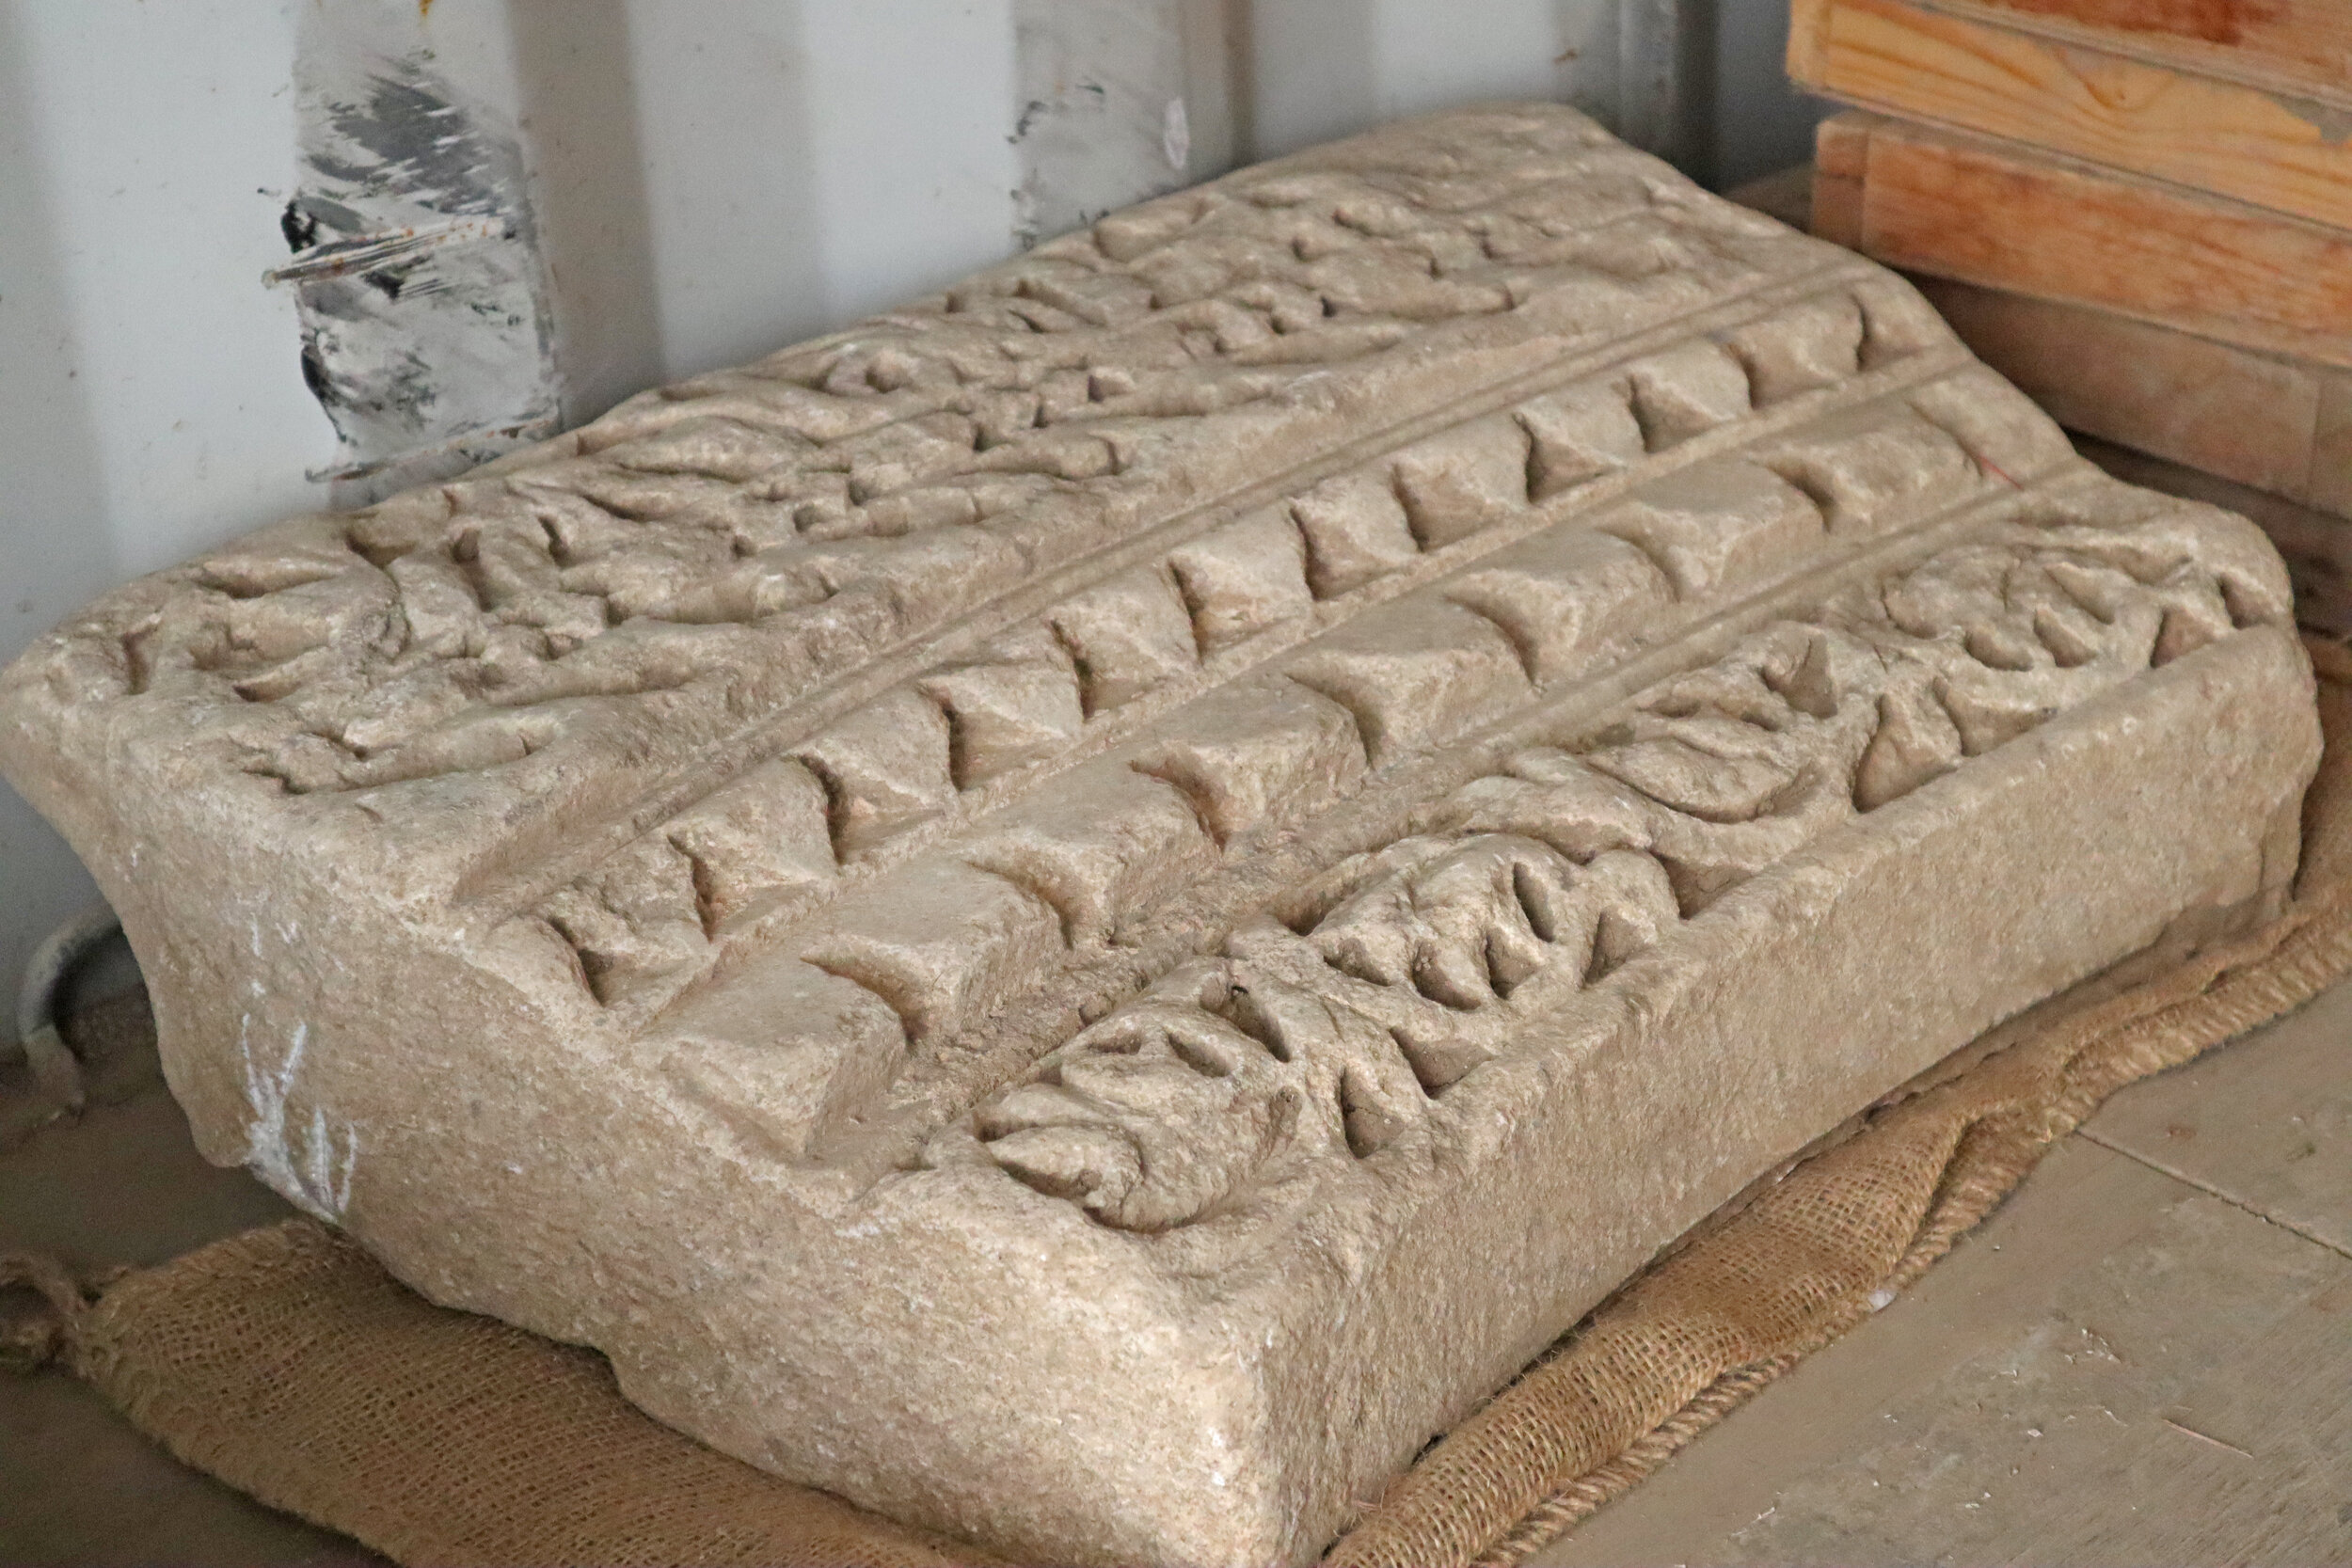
x,y
1084,911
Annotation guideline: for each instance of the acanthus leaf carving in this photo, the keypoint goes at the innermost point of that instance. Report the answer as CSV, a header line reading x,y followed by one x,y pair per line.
x,y
1417,962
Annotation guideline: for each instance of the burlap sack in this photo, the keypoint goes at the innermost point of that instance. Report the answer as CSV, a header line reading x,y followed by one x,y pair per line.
x,y
286,1363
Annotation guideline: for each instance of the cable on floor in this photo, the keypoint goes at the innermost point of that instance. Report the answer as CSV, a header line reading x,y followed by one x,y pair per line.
x,y
54,1064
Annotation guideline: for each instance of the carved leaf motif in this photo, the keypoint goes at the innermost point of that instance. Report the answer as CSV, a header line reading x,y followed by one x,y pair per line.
x,y
1184,1102
1233,1077
1465,922
1116,1122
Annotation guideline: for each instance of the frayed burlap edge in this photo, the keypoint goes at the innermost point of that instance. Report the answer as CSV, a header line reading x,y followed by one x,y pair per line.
x,y
287,1363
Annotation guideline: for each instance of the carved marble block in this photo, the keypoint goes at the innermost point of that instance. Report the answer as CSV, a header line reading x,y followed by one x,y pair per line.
x,y
1083,911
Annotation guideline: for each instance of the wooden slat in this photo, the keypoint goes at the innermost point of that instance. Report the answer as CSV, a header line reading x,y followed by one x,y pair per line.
x,y
2230,137
1841,151
2280,424
2332,450
2295,45
2006,216
2249,416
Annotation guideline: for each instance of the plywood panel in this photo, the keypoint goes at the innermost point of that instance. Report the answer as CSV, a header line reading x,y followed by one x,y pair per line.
x,y
2332,451
1786,196
2230,137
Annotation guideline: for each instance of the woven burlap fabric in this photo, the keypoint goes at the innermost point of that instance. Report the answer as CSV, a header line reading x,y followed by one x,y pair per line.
x,y
288,1364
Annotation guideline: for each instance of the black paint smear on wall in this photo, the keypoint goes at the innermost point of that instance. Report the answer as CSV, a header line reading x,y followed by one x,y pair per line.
x,y
426,334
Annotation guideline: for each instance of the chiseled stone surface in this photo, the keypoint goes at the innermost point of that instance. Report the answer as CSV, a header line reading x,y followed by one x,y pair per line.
x,y
1083,911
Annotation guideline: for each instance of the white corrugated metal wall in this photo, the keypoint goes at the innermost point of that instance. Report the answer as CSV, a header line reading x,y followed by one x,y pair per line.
x,y
701,181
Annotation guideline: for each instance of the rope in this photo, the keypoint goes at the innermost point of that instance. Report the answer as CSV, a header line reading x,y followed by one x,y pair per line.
x,y
51,1333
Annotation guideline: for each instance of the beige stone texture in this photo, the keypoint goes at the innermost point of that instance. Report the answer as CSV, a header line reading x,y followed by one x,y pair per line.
x,y
1083,911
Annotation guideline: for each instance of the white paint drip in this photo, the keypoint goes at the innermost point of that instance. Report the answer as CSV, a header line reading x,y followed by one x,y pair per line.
x,y
1176,135
316,1179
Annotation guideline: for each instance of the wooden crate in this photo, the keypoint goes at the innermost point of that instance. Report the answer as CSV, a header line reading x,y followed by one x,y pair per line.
x,y
2277,423
2255,108
2008,216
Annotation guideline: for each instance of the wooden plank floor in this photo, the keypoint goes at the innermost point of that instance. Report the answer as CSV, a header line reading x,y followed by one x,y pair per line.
x,y
2145,1357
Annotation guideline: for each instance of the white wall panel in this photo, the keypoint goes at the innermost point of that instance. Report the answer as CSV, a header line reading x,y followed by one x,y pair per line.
x,y
804,162
910,126
151,399
162,139
1321,68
